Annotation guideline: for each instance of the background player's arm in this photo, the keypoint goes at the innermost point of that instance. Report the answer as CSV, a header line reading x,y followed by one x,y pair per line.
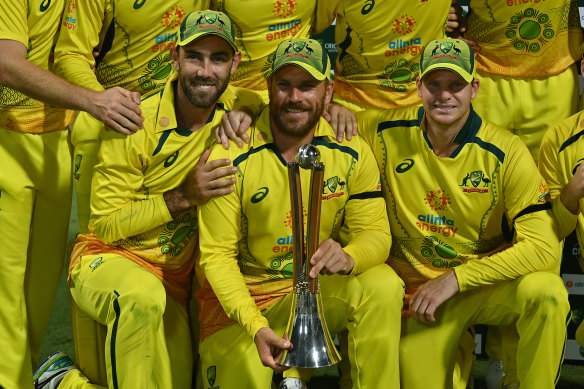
x,y
565,193
326,12
116,107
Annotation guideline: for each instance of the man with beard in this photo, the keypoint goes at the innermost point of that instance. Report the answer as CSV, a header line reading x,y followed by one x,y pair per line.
x,y
132,271
246,252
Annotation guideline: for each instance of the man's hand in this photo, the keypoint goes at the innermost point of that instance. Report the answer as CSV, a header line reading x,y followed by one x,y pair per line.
x,y
431,295
342,120
205,180
270,347
330,258
233,126
456,25
118,108
574,191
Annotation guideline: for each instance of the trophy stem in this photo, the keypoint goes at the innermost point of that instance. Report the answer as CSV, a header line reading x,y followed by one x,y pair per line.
x,y
313,224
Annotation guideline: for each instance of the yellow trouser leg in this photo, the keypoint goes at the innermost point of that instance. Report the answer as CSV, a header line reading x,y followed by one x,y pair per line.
x,y
368,305
35,198
540,314
148,337
85,140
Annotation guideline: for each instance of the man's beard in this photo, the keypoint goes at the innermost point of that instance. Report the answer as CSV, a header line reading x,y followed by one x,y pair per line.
x,y
293,128
202,99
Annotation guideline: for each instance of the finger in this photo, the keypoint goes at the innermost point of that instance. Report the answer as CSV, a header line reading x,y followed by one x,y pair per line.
x,y
341,123
217,164
355,129
203,158
243,126
123,125
116,127
326,115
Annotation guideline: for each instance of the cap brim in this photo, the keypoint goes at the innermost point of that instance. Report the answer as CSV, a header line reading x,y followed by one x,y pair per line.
x,y
456,69
195,37
309,69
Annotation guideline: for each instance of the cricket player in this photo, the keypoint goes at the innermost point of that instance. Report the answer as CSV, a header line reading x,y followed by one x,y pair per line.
x,y
526,55
35,174
379,45
560,163
132,272
246,257
259,27
470,226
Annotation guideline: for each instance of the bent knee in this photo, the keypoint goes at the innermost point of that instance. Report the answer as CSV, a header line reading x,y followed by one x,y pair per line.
x,y
382,281
544,292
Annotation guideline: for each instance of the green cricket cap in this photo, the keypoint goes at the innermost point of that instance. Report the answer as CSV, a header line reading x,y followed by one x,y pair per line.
x,y
309,54
202,23
451,54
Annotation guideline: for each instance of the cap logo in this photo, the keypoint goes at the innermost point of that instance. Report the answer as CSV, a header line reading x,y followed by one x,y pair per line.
x,y
210,18
298,46
445,47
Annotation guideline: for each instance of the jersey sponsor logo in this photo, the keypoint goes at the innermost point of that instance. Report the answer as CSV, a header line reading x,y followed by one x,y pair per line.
x,y
171,19
330,187
406,165
283,30
529,30
95,263
439,254
212,376
400,47
259,195
177,233
285,244
369,4
435,223
472,180
511,3
438,200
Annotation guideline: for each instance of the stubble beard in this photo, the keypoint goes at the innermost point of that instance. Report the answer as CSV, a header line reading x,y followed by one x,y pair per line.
x,y
291,128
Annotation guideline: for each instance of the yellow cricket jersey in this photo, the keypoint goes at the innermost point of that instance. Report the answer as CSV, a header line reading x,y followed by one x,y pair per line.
x,y
35,24
132,37
128,212
560,154
525,38
460,212
246,237
379,45
259,27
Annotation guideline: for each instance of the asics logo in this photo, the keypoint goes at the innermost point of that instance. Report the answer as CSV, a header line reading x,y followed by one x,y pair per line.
x,y
260,195
404,166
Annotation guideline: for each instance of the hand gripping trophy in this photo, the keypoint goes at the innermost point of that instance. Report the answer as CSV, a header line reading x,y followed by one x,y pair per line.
x,y
306,329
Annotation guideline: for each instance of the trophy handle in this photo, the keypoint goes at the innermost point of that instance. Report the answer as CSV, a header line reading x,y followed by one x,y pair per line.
x,y
313,224
297,222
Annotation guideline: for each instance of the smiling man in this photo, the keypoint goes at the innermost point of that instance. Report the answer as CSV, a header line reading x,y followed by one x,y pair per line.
x,y
246,252
470,223
132,272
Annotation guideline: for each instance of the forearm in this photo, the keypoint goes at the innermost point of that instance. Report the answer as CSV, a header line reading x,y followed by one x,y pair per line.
x,y
565,219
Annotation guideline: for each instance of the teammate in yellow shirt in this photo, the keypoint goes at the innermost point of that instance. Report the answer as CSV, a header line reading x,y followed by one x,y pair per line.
x,y
35,189
132,272
245,246
526,55
560,163
379,45
470,226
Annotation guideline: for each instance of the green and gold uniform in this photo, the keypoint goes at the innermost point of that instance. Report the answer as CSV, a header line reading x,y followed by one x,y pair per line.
x,y
132,39
132,273
246,260
35,196
526,63
379,46
561,152
259,27
463,212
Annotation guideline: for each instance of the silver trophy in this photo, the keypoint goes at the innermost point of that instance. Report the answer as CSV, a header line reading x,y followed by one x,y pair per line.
x,y
306,329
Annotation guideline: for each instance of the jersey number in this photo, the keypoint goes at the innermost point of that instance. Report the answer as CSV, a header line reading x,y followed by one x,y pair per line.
x,y
369,4
45,5
138,4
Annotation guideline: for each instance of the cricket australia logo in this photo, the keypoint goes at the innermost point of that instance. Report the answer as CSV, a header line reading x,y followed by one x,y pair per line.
x,y
445,47
330,186
210,18
473,180
299,46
